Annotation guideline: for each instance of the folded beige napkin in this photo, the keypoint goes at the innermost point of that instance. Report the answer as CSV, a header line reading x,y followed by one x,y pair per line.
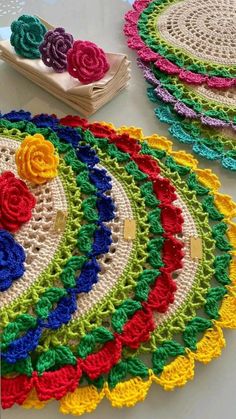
x,y
86,99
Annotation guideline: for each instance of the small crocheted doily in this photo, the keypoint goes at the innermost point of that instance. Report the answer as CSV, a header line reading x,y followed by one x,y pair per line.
x,y
210,132
130,250
194,40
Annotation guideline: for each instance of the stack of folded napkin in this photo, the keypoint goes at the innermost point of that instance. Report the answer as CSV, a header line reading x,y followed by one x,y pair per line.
x,y
85,98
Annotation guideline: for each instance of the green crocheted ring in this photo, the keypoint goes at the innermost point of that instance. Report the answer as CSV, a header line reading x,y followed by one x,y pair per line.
x,y
27,34
182,33
141,263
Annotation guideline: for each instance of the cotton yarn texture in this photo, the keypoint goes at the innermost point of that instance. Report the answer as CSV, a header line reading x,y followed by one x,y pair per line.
x,y
130,251
187,55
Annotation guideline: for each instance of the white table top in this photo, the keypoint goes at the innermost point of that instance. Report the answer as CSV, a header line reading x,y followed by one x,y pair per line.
x,y
211,395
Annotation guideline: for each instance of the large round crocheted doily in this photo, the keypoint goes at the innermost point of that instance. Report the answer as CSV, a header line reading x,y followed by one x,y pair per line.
x,y
194,40
130,250
205,126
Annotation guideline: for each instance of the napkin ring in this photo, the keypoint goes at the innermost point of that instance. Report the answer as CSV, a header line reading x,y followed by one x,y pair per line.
x,y
83,60
27,34
87,62
54,49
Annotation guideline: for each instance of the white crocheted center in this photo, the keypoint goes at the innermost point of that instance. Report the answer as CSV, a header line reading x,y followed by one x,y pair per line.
x,y
204,28
226,97
37,237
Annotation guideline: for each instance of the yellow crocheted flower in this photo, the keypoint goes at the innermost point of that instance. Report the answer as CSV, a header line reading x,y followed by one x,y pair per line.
x,y
36,159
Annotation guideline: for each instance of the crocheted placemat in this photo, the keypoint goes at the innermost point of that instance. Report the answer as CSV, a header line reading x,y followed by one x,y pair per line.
x,y
194,40
130,250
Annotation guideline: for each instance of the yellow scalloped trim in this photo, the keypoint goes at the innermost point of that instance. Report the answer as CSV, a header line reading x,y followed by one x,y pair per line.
x,y
210,346
82,400
231,233
184,158
129,392
208,179
177,373
32,401
232,271
134,132
225,204
156,141
106,124
228,313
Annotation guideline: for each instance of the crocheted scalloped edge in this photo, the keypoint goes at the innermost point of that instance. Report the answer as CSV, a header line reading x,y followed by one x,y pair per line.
x,y
181,93
176,129
167,113
178,88
177,54
176,374
184,110
145,53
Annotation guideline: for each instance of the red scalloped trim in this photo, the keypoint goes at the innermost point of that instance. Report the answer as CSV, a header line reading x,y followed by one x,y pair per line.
x,y
102,361
146,54
56,384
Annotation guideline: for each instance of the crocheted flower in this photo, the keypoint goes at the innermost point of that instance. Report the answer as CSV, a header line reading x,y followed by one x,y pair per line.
x,y
12,257
87,62
27,35
54,49
16,202
36,159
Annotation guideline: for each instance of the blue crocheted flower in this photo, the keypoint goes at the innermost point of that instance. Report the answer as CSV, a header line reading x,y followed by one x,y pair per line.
x,y
12,257
27,34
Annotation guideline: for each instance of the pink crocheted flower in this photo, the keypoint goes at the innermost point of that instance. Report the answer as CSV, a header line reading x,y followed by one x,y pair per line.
x,y
87,62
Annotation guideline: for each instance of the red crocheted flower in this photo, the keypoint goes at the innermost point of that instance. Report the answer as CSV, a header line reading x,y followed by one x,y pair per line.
x,y
16,202
86,62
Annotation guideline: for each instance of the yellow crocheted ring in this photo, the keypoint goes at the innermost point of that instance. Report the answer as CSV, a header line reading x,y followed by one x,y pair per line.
x,y
36,159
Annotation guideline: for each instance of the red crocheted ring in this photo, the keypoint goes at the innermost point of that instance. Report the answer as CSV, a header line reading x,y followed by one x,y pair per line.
x,y
16,202
87,62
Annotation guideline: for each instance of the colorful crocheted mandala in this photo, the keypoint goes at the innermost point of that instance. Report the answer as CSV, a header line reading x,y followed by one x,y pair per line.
x,y
130,250
194,40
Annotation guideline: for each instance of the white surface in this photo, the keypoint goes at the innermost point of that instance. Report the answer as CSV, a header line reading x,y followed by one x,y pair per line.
x,y
211,395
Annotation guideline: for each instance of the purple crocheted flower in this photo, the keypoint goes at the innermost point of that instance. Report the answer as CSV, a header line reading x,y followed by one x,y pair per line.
x,y
54,49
